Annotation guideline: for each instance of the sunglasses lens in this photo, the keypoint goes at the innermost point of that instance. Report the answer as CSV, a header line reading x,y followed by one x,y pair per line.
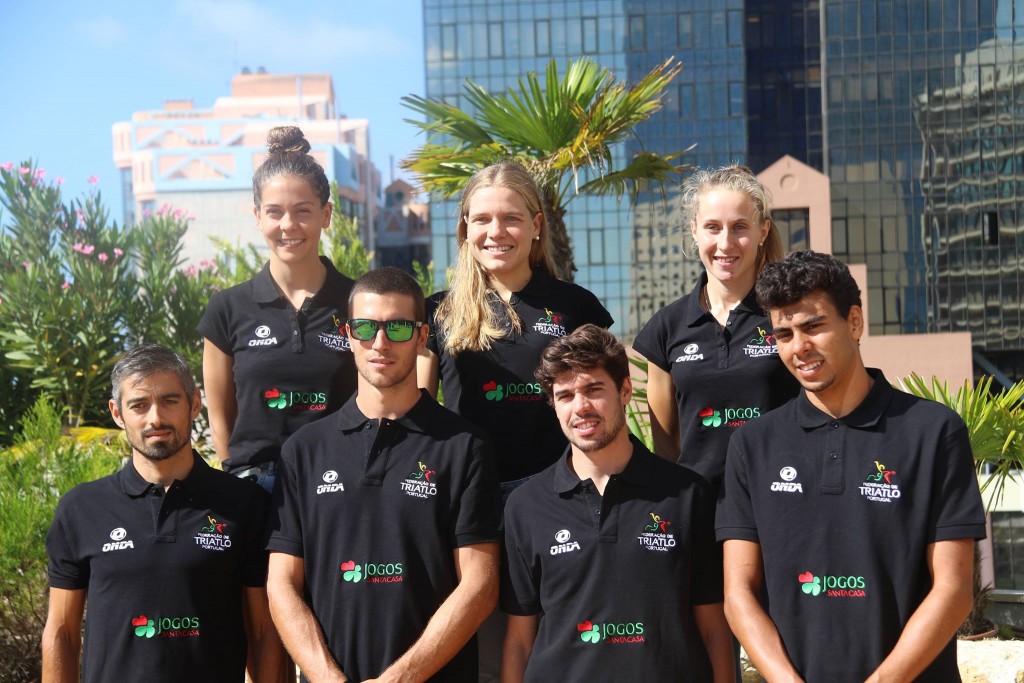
x,y
363,330
399,330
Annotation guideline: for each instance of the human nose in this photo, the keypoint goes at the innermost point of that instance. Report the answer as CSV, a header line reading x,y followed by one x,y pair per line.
x,y
495,227
380,340
580,404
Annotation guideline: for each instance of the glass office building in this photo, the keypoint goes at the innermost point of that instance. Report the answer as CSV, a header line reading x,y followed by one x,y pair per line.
x,y
910,106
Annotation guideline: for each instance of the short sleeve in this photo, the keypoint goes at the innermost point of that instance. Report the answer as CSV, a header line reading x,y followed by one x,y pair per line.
x,y
594,312
433,301
478,513
957,511
214,325
285,519
652,341
706,575
520,572
254,568
66,569
734,516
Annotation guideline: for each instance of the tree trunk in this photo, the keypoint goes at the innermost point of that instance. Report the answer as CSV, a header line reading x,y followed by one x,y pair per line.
x,y
565,265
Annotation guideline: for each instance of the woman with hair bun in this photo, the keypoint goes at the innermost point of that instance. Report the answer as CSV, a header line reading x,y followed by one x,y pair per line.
x,y
275,356
712,359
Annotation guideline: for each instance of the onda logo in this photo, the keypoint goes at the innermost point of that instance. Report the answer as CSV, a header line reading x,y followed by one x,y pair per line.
x,y
117,541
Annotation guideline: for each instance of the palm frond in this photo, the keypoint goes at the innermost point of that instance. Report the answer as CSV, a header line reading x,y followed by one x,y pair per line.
x,y
645,171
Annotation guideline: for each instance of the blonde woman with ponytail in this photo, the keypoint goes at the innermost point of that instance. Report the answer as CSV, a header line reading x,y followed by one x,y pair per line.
x,y
488,330
503,307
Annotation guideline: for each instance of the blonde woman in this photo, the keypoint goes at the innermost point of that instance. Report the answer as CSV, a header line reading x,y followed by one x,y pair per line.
x,y
504,306
713,364
275,355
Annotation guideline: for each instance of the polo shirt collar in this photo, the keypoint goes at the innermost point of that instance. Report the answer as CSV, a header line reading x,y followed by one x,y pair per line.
x,y
638,470
418,418
538,286
695,314
265,290
199,479
865,415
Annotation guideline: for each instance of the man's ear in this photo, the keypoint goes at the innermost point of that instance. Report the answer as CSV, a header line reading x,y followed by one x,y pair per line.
x,y
197,403
115,413
855,318
627,391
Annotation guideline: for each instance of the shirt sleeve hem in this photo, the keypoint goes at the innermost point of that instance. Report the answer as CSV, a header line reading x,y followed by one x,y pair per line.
x,y
953,532
284,545
516,609
67,584
474,537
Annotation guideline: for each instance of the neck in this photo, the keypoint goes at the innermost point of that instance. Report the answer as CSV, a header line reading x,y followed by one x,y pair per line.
x,y
722,297
298,281
843,397
165,472
507,284
600,465
391,402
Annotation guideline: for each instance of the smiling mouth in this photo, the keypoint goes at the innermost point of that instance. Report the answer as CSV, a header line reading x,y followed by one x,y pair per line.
x,y
493,249
586,426
810,367
290,243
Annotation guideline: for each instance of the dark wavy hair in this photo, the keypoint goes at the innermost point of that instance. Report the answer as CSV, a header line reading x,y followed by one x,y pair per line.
x,y
587,348
288,150
786,282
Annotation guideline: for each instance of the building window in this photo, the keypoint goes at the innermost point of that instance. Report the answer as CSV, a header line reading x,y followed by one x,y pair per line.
x,y
543,36
590,35
637,32
495,39
447,42
1008,549
684,27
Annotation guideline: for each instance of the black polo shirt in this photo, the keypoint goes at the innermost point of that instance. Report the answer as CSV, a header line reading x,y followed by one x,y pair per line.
x,y
163,572
844,510
376,510
496,389
723,376
290,367
613,578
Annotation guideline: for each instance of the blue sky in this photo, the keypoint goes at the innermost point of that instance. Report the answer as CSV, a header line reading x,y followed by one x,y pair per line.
x,y
70,70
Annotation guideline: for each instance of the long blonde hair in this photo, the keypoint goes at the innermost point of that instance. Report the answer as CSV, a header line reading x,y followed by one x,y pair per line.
x,y
464,318
741,179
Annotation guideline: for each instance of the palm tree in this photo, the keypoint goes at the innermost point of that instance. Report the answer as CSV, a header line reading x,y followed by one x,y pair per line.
x,y
558,131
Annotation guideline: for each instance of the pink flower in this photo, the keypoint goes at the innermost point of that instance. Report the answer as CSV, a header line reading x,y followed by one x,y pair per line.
x,y
118,253
24,170
178,213
59,180
40,173
7,166
26,264
83,248
147,213
191,216
190,271
206,264
102,256
93,179
81,214
66,285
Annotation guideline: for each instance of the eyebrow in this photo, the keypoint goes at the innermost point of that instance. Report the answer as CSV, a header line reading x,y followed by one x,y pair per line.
x,y
590,385
170,394
804,324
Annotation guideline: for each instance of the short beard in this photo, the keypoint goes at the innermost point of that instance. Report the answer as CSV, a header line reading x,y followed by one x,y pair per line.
x,y
157,452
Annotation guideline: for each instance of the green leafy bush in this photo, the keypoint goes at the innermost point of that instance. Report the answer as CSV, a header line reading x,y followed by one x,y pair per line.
x,y
41,467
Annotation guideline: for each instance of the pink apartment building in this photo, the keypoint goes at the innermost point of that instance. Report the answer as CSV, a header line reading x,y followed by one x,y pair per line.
x,y
202,160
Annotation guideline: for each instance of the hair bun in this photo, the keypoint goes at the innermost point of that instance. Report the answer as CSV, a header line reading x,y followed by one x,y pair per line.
x,y
287,140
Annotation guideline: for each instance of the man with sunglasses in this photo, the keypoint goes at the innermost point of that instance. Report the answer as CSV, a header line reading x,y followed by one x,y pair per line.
x,y
384,554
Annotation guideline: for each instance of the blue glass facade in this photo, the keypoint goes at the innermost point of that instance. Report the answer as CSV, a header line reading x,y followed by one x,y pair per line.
x,y
912,107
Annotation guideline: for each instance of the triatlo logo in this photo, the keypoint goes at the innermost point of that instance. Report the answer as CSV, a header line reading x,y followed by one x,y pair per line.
x,y
879,486
213,536
333,335
656,536
117,541
369,572
832,586
787,485
420,483
614,633
563,544
331,483
263,337
761,345
550,324
689,354
165,627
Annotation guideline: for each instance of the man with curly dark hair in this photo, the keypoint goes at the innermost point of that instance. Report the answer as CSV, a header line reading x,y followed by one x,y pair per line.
x,y
853,507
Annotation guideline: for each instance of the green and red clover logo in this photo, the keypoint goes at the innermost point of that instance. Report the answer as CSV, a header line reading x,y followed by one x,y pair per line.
x,y
613,633
389,572
832,586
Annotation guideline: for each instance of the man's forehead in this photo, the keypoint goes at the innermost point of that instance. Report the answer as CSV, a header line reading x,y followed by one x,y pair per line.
x,y
364,302
581,377
814,305
157,382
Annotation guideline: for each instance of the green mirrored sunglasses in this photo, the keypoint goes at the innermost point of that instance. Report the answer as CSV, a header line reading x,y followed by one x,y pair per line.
x,y
365,329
